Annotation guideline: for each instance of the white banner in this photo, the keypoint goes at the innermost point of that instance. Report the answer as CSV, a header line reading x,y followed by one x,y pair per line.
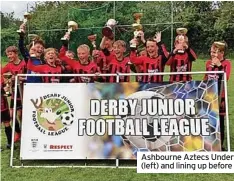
x,y
49,128
108,121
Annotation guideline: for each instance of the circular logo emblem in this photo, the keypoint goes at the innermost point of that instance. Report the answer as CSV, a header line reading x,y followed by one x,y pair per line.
x,y
53,115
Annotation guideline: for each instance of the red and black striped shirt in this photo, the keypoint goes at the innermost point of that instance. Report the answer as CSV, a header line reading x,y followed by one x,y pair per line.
x,y
78,68
151,65
46,69
4,103
116,66
226,67
15,69
181,62
90,68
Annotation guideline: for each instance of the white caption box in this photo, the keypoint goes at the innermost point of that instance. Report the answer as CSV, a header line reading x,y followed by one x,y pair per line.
x,y
185,162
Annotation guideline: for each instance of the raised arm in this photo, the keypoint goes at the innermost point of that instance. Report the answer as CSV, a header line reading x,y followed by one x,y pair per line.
x,y
5,69
161,48
68,61
23,50
134,59
37,68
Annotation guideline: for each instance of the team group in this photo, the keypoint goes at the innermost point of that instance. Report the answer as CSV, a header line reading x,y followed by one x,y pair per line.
x,y
109,59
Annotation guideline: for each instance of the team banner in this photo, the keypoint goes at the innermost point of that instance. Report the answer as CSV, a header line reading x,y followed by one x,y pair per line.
x,y
117,120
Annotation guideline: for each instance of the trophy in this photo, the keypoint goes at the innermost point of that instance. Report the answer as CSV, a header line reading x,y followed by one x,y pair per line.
x,y
107,31
32,38
137,27
181,38
220,45
8,83
27,16
92,39
72,26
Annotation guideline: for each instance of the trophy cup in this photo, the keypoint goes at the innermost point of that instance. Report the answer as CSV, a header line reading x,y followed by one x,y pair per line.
x,y
32,38
107,31
137,27
220,45
8,83
92,39
27,16
181,35
72,26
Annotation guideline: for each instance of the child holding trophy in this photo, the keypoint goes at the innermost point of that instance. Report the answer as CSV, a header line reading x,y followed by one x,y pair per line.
x,y
38,45
5,115
84,65
218,62
51,56
106,44
66,69
154,61
181,58
156,54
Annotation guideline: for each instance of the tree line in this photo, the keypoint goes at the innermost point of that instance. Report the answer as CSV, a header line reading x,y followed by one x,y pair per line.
x,y
206,22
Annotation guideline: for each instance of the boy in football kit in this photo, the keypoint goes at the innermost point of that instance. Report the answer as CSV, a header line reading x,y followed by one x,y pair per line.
x,y
35,55
84,65
50,56
118,63
15,66
64,52
5,114
181,58
100,56
218,62
154,61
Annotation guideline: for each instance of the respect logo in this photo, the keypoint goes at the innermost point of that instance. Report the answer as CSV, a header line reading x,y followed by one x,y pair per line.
x,y
53,114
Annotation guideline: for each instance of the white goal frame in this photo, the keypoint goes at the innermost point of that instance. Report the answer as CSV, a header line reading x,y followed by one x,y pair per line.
x,y
117,80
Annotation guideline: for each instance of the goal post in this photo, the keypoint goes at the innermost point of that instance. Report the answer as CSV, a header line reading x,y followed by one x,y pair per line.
x,y
70,104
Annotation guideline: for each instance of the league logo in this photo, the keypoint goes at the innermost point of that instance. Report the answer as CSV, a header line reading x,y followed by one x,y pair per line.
x,y
53,114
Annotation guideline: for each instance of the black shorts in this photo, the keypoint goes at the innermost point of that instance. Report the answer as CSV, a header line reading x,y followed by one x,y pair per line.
x,y
5,116
18,104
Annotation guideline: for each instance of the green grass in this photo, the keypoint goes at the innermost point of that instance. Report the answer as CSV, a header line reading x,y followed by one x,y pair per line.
x,y
97,174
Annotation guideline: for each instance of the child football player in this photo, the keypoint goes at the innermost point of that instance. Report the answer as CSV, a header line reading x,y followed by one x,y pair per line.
x,y
181,58
218,62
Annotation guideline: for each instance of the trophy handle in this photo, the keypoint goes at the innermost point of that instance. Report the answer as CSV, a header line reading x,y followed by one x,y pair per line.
x,y
25,20
21,30
70,30
94,45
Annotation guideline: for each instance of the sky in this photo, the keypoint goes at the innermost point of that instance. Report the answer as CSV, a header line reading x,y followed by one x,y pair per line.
x,y
19,7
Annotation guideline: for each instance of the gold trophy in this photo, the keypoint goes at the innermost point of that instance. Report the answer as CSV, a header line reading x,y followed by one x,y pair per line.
x,y
92,39
72,26
137,27
107,31
27,16
181,38
8,83
32,38
220,45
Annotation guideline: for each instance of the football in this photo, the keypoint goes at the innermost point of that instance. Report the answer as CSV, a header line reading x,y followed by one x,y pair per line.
x,y
67,118
149,142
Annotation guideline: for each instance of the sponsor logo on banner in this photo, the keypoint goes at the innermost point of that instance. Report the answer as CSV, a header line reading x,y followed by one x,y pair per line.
x,y
57,148
52,114
34,144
